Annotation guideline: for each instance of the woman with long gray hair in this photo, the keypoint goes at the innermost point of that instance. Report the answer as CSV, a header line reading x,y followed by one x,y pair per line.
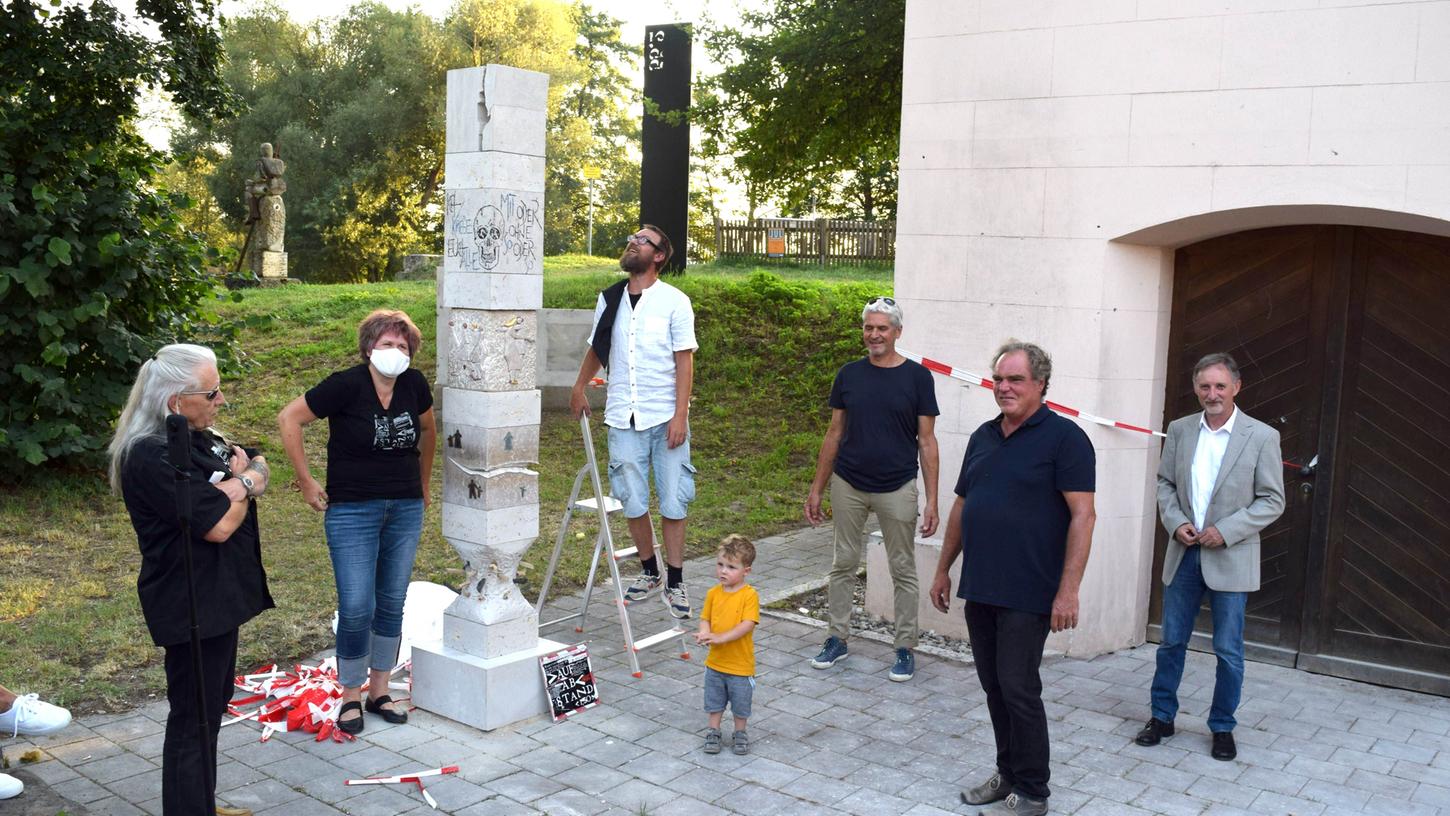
x,y
230,584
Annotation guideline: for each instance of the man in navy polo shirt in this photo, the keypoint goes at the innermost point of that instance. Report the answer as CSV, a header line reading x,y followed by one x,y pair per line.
x,y
1023,521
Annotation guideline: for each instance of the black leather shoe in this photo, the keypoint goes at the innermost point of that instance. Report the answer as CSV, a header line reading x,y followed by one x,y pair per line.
x,y
375,706
1154,732
354,725
1223,746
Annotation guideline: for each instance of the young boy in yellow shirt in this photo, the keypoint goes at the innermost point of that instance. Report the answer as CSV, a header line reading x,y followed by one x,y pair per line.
x,y
732,610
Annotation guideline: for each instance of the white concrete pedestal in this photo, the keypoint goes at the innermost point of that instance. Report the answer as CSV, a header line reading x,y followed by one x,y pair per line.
x,y
484,692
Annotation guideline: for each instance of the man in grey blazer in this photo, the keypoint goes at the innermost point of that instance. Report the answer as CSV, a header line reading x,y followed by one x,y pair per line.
x,y
1220,482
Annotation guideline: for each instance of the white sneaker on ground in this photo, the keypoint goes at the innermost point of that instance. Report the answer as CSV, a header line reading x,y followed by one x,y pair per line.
x,y
10,787
30,716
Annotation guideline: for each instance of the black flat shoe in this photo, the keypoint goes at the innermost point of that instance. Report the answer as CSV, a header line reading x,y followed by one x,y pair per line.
x,y
375,706
354,725
1223,746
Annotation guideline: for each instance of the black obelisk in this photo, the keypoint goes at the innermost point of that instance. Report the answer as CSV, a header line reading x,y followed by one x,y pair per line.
x,y
664,178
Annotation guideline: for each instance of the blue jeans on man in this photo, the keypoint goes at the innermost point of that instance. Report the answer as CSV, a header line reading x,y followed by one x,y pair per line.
x,y
372,545
1180,608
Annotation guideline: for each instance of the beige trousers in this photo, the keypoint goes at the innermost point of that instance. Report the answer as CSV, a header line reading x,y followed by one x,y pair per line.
x,y
896,513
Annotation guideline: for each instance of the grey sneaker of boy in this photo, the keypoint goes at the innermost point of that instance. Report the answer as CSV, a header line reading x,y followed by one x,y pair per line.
x,y
993,790
832,653
742,743
643,587
712,741
678,602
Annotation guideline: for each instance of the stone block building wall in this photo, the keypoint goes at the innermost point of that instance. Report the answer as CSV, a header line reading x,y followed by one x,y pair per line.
x,y
1055,153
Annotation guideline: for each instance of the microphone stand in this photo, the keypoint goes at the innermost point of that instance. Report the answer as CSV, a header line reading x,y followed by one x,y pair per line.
x,y
178,449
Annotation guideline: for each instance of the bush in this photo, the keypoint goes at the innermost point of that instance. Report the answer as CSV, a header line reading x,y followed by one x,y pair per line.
x,y
95,270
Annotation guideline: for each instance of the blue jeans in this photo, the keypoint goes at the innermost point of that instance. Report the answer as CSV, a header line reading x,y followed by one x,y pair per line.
x,y
1180,607
372,545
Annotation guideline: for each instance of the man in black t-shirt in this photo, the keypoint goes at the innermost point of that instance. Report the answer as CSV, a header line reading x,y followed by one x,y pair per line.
x,y
883,414
1023,521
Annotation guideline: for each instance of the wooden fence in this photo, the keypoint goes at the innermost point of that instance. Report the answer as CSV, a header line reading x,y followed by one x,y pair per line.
x,y
823,241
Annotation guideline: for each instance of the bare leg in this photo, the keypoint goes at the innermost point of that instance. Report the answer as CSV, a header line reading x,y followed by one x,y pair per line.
x,y
739,723
674,535
7,699
641,530
378,686
715,718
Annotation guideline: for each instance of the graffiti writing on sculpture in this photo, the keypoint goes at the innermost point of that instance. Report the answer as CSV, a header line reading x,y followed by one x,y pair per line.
x,y
487,229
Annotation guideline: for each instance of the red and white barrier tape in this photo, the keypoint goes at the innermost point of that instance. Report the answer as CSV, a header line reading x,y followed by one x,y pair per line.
x,y
986,382
413,778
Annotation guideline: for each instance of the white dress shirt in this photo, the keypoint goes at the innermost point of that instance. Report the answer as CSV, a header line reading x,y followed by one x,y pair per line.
x,y
1207,459
641,378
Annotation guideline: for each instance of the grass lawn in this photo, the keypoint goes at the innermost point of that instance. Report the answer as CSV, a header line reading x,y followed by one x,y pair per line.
x,y
70,624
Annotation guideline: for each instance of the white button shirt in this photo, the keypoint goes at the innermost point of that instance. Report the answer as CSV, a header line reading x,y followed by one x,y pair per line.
x,y
641,379
1207,459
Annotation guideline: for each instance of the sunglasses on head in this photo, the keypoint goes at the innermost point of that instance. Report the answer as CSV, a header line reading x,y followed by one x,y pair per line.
x,y
888,301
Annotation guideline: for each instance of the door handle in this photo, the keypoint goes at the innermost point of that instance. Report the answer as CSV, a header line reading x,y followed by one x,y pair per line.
x,y
1307,471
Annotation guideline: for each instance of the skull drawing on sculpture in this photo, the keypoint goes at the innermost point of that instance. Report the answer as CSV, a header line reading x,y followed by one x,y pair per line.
x,y
488,229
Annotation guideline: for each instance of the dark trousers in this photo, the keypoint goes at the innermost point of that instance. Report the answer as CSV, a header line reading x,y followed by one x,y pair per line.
x,y
1007,649
188,772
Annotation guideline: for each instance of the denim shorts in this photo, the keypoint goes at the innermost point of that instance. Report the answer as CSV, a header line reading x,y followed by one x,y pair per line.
x,y
632,454
735,689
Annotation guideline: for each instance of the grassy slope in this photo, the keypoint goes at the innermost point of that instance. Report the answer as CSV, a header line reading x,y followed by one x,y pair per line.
x,y
70,625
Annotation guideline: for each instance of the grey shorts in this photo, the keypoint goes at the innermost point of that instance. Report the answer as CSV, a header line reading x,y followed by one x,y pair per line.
x,y
735,689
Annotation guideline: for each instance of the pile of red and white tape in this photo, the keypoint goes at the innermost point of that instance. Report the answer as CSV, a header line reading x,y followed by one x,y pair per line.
x,y
308,698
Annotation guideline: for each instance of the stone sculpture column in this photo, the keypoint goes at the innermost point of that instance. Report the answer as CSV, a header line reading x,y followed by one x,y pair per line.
x,y
485,672
267,215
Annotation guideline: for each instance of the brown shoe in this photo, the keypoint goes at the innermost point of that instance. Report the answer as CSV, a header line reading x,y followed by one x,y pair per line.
x,y
231,811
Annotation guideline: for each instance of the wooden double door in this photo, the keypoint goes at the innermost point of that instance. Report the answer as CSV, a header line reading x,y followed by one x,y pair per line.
x,y
1343,338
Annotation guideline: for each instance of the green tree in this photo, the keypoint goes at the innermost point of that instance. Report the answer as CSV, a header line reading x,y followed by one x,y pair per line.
x,y
595,129
354,106
808,104
96,270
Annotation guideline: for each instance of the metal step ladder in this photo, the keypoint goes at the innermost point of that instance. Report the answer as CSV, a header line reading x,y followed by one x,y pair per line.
x,y
603,506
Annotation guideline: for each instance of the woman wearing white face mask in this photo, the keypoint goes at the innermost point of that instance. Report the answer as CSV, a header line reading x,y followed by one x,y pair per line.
x,y
381,438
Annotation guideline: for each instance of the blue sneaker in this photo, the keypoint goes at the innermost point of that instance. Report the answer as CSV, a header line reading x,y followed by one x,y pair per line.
x,y
832,653
905,667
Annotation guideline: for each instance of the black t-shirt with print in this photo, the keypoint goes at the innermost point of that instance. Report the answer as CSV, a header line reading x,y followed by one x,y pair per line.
x,y
372,452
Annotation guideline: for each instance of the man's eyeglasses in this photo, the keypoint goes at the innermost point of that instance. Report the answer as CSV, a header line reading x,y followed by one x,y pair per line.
x,y
641,238
888,301
210,395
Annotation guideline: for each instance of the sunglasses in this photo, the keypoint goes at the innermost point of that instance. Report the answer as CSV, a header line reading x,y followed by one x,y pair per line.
x,y
888,301
641,239
210,395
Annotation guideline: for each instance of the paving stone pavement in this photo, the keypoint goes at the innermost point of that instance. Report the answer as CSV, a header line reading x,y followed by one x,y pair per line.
x,y
844,740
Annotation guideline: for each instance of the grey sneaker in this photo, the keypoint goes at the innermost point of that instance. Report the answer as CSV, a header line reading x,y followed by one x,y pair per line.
x,y
712,741
643,587
1022,806
832,653
742,743
993,790
678,602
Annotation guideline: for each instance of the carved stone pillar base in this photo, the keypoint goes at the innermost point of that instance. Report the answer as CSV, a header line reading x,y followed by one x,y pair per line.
x,y
269,265
483,692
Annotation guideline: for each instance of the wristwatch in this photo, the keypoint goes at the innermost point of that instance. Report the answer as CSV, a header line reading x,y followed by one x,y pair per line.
x,y
250,485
